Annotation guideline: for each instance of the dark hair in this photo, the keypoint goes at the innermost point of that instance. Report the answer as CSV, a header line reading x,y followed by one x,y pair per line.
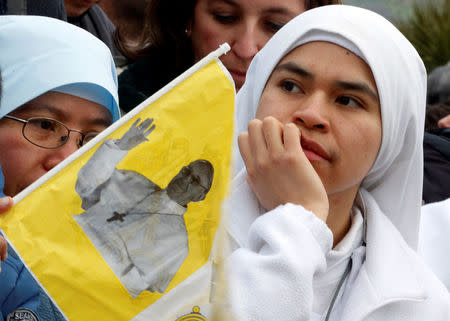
x,y
164,31
165,27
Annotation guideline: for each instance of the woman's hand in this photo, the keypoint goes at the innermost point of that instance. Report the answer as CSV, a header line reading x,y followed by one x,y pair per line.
x,y
5,204
278,170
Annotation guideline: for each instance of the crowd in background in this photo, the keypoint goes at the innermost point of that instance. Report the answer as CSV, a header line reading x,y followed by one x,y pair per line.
x,y
153,41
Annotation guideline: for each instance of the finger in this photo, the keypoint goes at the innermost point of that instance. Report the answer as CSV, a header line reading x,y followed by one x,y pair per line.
x,y
5,203
149,131
273,134
3,249
244,149
291,136
135,123
257,140
145,124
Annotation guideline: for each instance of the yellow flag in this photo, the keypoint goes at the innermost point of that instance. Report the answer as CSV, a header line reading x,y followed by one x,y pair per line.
x,y
123,229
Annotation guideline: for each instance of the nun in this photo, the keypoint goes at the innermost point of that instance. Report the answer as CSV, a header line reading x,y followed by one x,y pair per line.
x,y
324,212
59,90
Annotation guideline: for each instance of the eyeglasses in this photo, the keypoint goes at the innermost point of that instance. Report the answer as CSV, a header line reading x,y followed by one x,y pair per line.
x,y
48,132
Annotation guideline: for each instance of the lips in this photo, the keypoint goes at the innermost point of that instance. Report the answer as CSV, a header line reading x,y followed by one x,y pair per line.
x,y
313,150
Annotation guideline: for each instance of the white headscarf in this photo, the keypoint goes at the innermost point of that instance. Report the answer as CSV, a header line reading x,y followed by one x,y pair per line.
x,y
39,54
395,180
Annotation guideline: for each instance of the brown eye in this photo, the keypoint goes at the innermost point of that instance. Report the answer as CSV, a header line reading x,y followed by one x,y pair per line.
x,y
349,102
273,26
43,124
89,136
290,86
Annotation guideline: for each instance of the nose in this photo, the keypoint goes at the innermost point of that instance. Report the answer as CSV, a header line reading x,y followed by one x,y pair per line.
x,y
313,114
56,156
249,40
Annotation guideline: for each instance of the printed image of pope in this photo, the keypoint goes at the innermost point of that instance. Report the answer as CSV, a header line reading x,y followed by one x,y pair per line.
x,y
138,227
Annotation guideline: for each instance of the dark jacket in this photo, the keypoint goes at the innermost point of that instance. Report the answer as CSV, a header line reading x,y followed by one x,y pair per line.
x,y
143,78
18,289
48,8
436,179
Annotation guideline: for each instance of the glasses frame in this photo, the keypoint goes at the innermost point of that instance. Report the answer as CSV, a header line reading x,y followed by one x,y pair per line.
x,y
69,130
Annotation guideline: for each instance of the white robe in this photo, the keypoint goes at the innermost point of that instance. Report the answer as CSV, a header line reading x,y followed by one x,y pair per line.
x,y
273,274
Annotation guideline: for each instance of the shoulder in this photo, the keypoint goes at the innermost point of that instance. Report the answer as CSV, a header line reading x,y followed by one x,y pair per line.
x,y
435,304
399,279
97,14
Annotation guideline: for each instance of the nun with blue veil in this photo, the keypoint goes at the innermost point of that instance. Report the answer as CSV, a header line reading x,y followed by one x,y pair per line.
x,y
59,89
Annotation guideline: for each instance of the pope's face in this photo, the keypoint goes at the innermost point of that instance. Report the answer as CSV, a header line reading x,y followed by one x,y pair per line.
x,y
191,184
22,162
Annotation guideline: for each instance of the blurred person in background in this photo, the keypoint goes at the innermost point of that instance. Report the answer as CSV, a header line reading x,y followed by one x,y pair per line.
x,y
88,15
178,33
434,242
128,16
48,8
436,186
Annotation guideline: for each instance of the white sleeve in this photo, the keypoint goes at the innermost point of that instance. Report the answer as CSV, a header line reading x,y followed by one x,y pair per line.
x,y
271,278
434,238
97,171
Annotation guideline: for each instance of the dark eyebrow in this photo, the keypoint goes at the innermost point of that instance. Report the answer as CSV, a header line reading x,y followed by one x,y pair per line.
x,y
358,86
283,11
294,68
31,107
230,2
272,10
59,115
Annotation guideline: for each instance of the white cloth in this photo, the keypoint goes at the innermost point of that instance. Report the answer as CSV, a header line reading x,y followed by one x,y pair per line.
x,y
280,253
39,54
434,238
395,180
336,259
325,284
147,241
273,277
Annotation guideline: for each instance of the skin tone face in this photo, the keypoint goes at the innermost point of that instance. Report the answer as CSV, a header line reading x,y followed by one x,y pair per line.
x,y
22,162
246,25
75,8
317,133
444,122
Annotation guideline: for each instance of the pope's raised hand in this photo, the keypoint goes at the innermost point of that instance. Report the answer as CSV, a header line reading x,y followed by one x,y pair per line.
x,y
136,135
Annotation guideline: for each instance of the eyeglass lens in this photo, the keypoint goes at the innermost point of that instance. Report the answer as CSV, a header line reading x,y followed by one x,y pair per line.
x,y
46,132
